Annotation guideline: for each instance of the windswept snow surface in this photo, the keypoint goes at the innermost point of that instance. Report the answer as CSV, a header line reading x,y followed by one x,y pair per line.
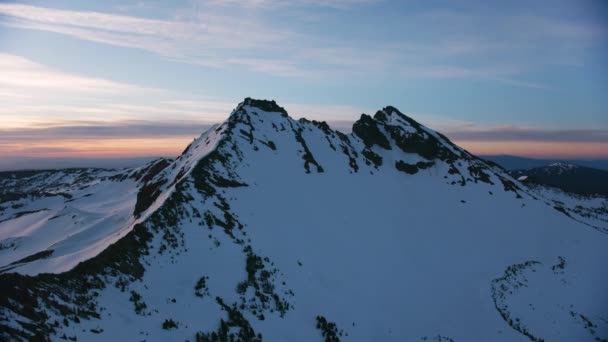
x,y
75,214
392,233
591,210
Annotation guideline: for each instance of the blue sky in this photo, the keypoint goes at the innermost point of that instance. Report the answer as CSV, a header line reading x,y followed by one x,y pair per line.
x,y
498,77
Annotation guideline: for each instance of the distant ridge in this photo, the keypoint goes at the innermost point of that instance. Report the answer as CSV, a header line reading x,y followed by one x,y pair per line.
x,y
46,163
568,177
510,162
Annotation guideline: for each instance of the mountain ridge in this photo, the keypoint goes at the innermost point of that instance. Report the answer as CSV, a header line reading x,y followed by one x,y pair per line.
x,y
568,177
510,162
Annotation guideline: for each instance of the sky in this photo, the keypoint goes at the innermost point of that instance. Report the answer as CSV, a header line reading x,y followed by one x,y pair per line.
x,y
113,79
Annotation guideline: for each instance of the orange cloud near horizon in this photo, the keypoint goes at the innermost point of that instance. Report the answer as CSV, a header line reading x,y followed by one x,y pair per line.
x,y
538,149
173,146
99,148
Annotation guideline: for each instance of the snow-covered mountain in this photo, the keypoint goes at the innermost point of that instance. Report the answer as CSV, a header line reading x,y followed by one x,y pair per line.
x,y
521,163
568,177
270,228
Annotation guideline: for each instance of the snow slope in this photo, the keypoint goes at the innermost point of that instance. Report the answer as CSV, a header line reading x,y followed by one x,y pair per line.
x,y
591,210
276,229
71,215
54,220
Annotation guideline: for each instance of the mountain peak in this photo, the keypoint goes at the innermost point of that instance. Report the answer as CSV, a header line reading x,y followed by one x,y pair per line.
x,y
563,165
559,168
390,127
385,123
265,105
392,115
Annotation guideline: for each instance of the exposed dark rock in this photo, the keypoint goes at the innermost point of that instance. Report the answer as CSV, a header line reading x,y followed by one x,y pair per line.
x,y
367,129
147,195
373,157
266,105
412,168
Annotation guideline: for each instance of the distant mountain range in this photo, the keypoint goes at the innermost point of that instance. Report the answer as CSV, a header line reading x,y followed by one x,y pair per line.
x,y
518,163
568,177
46,163
584,177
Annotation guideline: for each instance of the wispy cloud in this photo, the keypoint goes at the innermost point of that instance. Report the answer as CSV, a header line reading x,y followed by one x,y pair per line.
x,y
195,39
93,130
516,133
206,34
87,148
32,94
539,149
495,74
142,138
336,4
22,77
461,130
45,114
273,66
47,150
207,37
